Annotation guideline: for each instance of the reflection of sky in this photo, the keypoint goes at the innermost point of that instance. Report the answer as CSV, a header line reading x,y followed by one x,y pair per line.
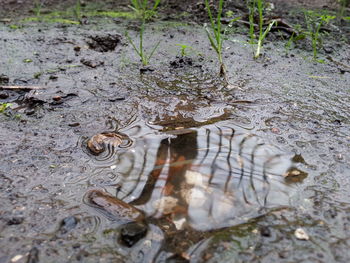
x,y
221,176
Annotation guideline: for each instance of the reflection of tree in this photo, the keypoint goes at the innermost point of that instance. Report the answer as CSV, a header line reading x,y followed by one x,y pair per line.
x,y
176,156
209,176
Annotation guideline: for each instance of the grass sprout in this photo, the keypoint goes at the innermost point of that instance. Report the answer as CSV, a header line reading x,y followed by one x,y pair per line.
x,y
142,7
258,6
314,22
140,50
38,4
77,10
183,49
251,7
143,10
342,6
214,33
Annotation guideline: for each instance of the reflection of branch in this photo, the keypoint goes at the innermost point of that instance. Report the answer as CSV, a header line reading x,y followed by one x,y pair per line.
x,y
241,164
229,160
138,177
252,156
265,176
162,155
207,132
213,164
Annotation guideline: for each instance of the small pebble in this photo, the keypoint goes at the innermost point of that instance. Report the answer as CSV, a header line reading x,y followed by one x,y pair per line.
x,y
4,95
29,111
132,232
15,221
68,224
33,256
57,98
301,234
265,231
276,131
16,258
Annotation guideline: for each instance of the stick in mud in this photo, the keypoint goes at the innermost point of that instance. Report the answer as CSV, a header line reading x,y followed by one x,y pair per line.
x,y
22,87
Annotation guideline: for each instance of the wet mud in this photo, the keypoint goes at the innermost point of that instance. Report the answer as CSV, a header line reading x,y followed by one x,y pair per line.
x,y
102,162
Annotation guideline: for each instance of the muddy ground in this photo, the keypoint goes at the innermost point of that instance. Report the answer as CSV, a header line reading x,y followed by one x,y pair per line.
x,y
279,112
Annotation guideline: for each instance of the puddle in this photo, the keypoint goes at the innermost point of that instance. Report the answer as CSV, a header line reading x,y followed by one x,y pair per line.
x,y
197,178
199,181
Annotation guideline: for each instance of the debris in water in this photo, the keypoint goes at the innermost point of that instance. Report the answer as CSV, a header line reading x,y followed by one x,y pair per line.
x,y
301,234
132,232
166,204
112,207
97,143
294,175
179,223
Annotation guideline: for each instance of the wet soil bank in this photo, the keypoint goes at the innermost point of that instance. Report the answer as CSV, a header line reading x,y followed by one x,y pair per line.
x,y
100,163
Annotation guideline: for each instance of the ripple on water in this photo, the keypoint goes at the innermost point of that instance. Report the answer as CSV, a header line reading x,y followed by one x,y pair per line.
x,y
104,146
207,177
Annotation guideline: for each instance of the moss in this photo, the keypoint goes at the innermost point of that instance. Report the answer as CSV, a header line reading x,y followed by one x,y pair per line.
x,y
14,26
113,14
49,19
170,24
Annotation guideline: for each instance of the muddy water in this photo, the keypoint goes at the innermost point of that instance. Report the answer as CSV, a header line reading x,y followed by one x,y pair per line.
x,y
197,179
200,167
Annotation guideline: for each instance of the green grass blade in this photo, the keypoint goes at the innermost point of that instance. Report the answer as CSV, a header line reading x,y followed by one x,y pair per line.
x,y
218,21
212,22
268,29
155,5
132,43
211,40
154,49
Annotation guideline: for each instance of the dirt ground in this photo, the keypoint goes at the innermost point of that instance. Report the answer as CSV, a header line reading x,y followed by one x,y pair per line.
x,y
205,167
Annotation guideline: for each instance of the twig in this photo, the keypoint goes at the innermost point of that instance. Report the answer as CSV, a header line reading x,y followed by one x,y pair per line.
x,y
22,87
339,64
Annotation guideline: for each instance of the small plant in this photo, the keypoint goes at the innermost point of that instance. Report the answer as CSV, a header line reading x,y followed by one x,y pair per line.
x,y
214,33
342,6
4,106
77,10
140,51
262,34
183,49
215,37
296,36
258,5
251,7
314,22
288,45
37,8
142,7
